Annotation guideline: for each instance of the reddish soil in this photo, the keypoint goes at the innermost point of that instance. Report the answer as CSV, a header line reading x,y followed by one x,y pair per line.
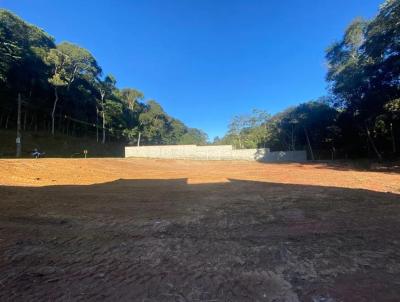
x,y
158,230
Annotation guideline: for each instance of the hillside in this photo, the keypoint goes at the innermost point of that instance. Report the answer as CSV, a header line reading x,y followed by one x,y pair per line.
x,y
62,88
57,146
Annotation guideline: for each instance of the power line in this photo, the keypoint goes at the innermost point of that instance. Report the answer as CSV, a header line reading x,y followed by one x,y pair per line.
x,y
111,131
89,124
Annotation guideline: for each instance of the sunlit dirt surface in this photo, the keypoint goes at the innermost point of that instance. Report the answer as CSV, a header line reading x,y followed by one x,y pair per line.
x,y
159,230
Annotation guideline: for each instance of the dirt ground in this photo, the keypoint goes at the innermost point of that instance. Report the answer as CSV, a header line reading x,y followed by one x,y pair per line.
x,y
159,230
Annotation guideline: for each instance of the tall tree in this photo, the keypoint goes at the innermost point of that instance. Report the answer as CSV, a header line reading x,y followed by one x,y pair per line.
x,y
106,88
65,81
193,137
131,97
69,62
58,61
364,76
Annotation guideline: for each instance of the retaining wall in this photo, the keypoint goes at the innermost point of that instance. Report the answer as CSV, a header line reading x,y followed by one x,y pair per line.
x,y
285,156
224,152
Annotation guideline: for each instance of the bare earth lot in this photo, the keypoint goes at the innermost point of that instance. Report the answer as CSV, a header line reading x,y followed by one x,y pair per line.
x,y
157,230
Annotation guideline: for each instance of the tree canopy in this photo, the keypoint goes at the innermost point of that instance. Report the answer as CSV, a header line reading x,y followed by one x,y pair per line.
x,y
361,115
64,91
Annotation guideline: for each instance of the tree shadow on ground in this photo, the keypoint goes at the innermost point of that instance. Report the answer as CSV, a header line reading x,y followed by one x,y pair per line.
x,y
339,165
361,165
167,240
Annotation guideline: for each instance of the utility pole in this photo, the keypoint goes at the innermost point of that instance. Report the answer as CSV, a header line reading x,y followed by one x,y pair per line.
x,y
18,139
393,138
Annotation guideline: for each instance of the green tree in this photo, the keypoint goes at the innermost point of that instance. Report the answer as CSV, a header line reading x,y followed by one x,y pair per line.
x,y
152,123
43,74
106,88
10,53
363,71
58,61
193,137
69,62
21,66
248,131
131,98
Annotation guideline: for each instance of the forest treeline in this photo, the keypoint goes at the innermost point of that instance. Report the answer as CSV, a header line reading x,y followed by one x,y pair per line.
x,y
360,117
62,89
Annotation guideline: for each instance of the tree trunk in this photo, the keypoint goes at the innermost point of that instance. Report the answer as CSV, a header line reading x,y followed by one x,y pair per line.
x,y
31,123
1,120
292,136
68,124
103,115
36,123
265,135
7,119
54,110
25,118
372,143
309,144
138,141
18,140
97,124
60,129
103,141
393,138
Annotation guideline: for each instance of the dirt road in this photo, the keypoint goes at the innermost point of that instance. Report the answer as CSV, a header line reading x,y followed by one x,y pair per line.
x,y
157,230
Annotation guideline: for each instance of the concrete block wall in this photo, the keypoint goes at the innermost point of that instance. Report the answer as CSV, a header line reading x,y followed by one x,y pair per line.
x,y
224,152
181,152
250,154
285,156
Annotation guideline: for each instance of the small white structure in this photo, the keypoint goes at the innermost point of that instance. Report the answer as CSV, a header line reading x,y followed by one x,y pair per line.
x,y
223,152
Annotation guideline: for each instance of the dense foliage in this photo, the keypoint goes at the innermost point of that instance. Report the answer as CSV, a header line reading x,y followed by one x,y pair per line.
x,y
63,90
361,116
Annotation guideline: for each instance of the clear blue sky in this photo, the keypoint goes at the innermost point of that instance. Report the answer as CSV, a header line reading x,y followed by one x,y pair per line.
x,y
205,60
